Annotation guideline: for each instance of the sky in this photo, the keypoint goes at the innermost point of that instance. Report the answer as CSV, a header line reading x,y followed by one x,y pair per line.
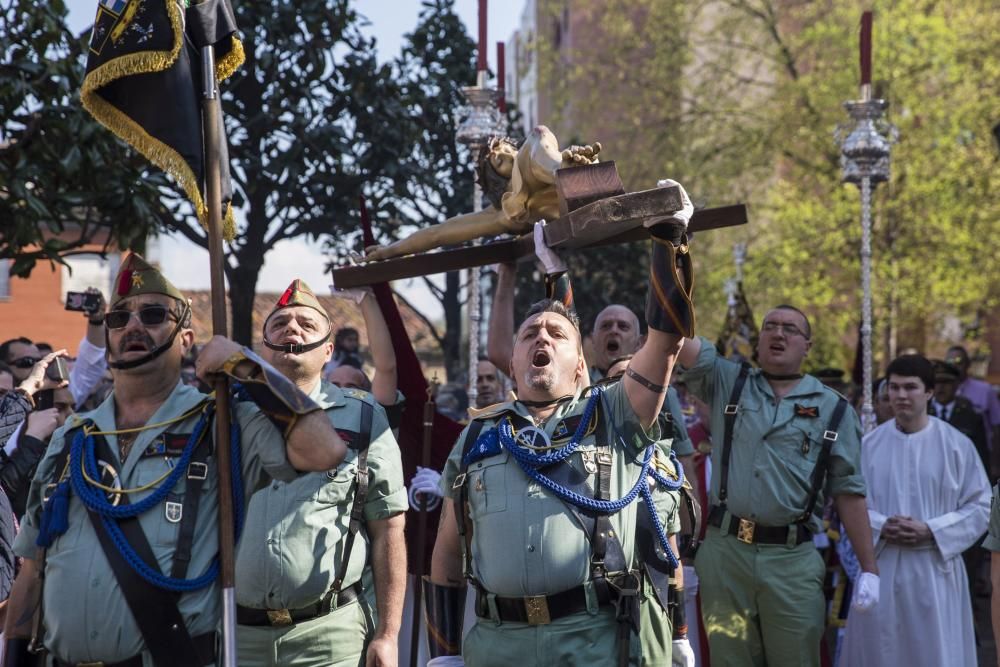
x,y
387,21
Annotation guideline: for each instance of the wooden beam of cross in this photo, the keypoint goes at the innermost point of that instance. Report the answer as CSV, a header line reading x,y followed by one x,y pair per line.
x,y
596,211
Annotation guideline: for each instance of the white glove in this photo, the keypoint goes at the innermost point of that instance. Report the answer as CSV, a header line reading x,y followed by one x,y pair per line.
x,y
446,661
355,294
550,260
425,487
681,653
866,592
682,216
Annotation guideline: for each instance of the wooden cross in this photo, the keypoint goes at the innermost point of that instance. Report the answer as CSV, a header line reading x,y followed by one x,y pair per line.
x,y
595,211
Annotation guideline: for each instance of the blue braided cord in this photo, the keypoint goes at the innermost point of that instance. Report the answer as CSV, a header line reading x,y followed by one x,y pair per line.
x,y
661,534
96,499
538,460
663,480
152,574
603,506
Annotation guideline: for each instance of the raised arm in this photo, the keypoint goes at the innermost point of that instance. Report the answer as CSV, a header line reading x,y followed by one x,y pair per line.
x,y
384,384
500,337
669,313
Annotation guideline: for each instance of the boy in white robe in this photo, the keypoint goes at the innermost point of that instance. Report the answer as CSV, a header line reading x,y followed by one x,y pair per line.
x,y
928,501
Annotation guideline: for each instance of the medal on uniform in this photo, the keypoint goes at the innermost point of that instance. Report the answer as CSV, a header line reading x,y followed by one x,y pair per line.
x,y
109,477
174,511
532,437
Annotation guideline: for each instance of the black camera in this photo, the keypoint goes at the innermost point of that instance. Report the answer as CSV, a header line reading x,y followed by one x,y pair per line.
x,y
86,302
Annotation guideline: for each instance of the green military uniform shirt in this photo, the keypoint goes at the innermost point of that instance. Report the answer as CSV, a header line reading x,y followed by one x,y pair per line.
x,y
775,446
681,444
86,616
525,541
293,542
992,540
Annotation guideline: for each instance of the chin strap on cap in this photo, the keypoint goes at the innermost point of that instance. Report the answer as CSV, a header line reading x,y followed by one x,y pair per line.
x,y
297,348
154,353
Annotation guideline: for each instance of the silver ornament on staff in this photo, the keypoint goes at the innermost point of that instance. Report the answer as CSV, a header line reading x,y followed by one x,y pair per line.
x,y
865,144
479,120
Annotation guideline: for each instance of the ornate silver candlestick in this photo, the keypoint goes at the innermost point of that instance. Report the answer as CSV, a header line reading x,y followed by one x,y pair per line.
x,y
479,120
865,145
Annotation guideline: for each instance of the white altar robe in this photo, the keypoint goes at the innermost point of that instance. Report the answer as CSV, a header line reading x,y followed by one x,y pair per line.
x,y
924,614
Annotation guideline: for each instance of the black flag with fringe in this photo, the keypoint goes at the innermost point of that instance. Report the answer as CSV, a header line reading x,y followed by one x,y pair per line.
x,y
144,83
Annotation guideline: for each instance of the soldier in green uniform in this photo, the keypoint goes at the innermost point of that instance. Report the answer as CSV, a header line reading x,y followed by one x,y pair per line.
x,y
784,442
121,522
308,542
539,512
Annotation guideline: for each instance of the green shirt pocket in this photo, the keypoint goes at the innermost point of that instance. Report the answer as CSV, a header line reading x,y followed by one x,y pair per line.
x,y
487,482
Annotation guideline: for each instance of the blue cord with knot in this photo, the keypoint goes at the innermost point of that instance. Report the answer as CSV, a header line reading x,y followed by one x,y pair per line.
x,y
530,462
82,453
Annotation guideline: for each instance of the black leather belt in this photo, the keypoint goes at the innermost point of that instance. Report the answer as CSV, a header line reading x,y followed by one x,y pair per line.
x,y
204,645
750,532
534,609
284,617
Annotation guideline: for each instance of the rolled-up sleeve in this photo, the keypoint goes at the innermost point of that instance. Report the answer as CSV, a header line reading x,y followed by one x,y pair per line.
x,y
386,491
844,476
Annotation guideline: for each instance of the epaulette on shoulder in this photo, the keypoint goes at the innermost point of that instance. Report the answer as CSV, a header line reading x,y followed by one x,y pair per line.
x,y
490,411
359,395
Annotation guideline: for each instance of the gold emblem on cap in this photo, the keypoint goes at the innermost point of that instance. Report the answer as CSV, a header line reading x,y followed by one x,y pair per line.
x,y
136,279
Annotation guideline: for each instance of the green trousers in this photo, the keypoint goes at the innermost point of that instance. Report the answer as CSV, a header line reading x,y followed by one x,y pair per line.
x,y
761,604
338,639
584,639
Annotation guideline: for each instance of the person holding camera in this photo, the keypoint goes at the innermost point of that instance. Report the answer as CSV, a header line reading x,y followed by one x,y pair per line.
x,y
29,414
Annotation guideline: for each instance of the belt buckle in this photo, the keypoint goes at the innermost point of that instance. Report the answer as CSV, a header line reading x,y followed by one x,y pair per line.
x,y
279,618
537,608
744,533
197,470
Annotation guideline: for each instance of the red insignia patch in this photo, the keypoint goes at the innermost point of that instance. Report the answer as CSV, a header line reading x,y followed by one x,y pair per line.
x,y
125,282
810,411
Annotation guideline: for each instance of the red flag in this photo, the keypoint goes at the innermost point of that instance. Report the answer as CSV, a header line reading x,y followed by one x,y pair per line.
x,y
412,384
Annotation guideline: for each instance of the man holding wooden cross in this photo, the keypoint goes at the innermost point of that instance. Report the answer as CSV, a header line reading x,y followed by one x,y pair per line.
x,y
540,512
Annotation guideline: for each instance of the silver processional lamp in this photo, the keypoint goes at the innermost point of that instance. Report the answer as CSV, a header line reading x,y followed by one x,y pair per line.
x,y
865,143
479,120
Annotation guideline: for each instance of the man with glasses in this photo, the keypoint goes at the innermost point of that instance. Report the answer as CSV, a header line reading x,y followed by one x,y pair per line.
x,y
122,518
783,443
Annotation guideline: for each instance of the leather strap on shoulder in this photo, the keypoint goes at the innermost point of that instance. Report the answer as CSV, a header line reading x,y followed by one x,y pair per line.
x,y
729,413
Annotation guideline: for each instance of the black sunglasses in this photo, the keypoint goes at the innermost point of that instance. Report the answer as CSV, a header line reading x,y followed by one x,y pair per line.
x,y
24,362
150,316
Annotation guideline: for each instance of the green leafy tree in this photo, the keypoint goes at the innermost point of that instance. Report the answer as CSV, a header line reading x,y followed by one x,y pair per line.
x,y
313,122
739,102
436,62
64,181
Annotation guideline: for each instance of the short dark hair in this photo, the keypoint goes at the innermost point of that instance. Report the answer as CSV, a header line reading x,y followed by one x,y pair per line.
x,y
553,306
785,306
4,368
6,345
913,365
343,333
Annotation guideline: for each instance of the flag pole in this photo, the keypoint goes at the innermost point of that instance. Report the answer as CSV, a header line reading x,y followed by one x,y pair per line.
x,y
211,120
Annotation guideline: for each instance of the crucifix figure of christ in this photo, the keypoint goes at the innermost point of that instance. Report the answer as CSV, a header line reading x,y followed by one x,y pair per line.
x,y
593,209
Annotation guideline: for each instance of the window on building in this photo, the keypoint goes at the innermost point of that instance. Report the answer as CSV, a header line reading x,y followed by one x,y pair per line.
x,y
89,270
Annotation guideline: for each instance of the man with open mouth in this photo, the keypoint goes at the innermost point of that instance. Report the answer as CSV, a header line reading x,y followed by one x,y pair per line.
x,y
540,513
783,443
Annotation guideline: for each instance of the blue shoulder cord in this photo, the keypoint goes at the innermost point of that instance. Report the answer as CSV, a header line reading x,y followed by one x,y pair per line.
x,y
82,453
530,462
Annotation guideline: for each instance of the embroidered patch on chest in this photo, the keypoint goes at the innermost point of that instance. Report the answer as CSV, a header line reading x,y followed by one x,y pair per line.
x,y
167,444
808,411
350,438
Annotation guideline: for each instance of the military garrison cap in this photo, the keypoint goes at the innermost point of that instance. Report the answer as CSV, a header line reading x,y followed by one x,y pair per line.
x,y
137,276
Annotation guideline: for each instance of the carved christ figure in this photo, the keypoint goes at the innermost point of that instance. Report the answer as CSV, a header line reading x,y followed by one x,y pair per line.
x,y
520,185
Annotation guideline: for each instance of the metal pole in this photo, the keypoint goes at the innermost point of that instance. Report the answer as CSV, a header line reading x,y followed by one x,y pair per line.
x,y
211,123
867,409
474,310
